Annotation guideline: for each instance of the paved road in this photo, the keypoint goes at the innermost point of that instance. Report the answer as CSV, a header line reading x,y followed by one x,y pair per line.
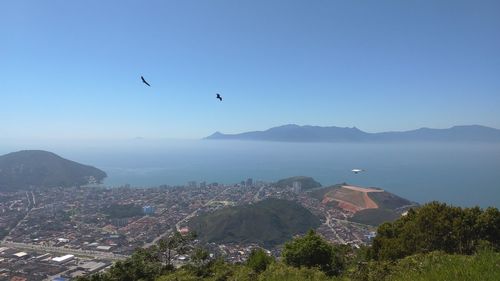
x,y
350,222
256,197
28,211
332,228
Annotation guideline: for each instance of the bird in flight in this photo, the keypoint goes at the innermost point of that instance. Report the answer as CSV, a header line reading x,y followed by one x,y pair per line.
x,y
357,171
144,81
218,97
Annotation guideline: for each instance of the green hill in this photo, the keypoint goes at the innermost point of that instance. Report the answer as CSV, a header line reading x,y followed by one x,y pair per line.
x,y
22,169
305,182
387,200
269,223
388,204
374,216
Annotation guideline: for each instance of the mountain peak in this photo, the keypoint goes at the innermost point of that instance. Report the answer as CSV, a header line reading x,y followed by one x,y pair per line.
x,y
215,135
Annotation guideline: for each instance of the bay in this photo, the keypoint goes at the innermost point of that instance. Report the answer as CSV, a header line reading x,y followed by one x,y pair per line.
x,y
464,174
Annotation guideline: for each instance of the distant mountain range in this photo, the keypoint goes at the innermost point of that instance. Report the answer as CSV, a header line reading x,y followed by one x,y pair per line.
x,y
23,169
296,133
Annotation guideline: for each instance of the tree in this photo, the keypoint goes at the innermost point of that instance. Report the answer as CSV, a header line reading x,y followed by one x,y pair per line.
x,y
147,264
142,265
311,251
200,262
175,243
437,227
489,226
259,260
199,256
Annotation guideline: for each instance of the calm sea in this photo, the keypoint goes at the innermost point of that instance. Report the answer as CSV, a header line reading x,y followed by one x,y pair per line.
x,y
465,174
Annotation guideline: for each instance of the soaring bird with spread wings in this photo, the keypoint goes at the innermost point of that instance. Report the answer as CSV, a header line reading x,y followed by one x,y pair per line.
x,y
144,81
218,97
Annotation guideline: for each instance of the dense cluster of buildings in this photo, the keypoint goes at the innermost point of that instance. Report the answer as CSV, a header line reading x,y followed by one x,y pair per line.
x,y
84,220
13,207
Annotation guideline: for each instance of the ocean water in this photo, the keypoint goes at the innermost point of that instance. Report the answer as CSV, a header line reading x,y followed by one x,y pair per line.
x,y
465,174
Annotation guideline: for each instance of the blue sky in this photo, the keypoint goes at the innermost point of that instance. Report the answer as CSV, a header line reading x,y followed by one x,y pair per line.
x,y
70,69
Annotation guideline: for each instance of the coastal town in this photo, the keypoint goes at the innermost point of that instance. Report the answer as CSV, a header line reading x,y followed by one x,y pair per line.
x,y
63,233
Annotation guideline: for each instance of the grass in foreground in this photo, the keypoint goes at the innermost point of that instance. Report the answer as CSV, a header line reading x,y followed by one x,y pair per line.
x,y
484,266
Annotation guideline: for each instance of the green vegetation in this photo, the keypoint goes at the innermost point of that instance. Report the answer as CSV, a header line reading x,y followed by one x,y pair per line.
x,y
312,251
258,260
436,266
305,182
374,216
473,256
386,211
437,227
23,169
174,243
320,193
282,272
117,211
3,232
146,264
387,200
483,266
269,223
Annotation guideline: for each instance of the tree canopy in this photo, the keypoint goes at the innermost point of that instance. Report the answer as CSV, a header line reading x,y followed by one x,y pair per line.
x,y
437,227
311,251
259,260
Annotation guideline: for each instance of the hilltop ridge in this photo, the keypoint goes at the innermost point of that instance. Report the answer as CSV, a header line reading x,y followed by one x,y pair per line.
x,y
307,133
268,222
305,182
22,169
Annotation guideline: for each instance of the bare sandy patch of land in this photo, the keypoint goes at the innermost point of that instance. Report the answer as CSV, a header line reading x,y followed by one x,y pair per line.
x,y
352,198
362,189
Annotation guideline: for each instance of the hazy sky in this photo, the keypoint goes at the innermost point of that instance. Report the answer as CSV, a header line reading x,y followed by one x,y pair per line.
x,y
71,69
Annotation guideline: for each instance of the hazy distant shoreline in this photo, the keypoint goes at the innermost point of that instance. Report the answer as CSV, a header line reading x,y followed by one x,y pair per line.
x,y
464,174
459,173
296,133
